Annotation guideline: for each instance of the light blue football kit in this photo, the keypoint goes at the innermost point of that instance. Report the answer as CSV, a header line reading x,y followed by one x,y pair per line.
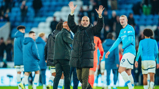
x,y
148,50
127,37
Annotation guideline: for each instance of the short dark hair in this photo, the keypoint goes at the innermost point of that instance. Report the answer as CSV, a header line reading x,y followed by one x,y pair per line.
x,y
31,32
148,32
2,38
109,36
21,27
59,26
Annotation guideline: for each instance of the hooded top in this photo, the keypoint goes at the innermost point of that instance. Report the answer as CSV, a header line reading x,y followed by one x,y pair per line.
x,y
113,58
41,46
30,55
18,46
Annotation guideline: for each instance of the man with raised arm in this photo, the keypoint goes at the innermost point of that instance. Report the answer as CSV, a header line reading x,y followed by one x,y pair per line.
x,y
127,37
83,44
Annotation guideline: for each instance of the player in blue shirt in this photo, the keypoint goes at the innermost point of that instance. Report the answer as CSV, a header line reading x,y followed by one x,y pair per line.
x,y
127,37
149,53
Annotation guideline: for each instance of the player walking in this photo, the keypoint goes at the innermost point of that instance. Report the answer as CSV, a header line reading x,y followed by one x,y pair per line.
x,y
127,37
148,50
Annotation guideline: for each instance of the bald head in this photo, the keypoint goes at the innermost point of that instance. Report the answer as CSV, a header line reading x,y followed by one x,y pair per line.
x,y
65,25
85,21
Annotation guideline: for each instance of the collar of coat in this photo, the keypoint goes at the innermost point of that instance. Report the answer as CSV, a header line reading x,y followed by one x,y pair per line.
x,y
84,28
65,30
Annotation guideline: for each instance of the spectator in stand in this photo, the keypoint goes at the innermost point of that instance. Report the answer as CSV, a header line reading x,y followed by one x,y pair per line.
x,y
53,24
81,13
117,27
8,4
37,4
112,20
131,20
106,31
88,11
137,8
141,36
106,18
24,10
9,48
2,48
1,19
6,17
155,6
105,3
114,5
157,33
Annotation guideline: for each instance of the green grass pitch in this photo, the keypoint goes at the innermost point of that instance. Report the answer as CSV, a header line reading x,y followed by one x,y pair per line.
x,y
40,87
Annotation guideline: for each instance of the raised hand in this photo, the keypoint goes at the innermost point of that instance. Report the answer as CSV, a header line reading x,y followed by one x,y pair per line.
x,y
106,56
72,7
100,10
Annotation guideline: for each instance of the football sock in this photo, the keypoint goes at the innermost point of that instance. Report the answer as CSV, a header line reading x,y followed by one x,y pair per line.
x,y
126,79
151,85
131,80
61,82
51,80
36,80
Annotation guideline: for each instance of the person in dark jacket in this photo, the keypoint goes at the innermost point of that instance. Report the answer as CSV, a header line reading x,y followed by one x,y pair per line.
x,y
9,48
83,44
111,63
40,41
62,52
31,59
24,10
18,52
2,49
37,4
73,71
53,24
49,52
131,20
156,32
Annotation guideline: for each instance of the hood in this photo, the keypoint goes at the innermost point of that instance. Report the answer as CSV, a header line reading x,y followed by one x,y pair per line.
x,y
39,40
109,42
19,34
27,40
84,28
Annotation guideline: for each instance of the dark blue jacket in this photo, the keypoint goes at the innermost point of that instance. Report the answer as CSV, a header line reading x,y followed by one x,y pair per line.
x,y
18,48
30,55
113,58
41,46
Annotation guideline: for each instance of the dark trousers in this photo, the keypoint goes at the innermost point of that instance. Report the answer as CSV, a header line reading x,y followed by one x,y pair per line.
x,y
156,80
82,75
43,76
75,79
62,65
1,58
115,72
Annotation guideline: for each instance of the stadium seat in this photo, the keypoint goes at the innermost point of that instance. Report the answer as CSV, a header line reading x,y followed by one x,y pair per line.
x,y
29,4
49,19
42,25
